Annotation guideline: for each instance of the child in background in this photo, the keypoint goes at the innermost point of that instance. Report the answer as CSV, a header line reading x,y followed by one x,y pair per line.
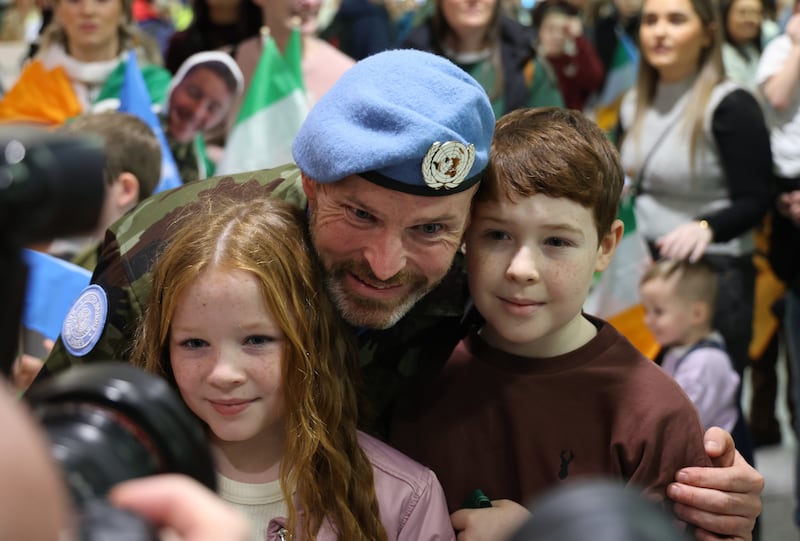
x,y
133,168
572,56
678,298
541,393
240,323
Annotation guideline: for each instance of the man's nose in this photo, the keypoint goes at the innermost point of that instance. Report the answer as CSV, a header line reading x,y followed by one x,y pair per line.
x,y
386,254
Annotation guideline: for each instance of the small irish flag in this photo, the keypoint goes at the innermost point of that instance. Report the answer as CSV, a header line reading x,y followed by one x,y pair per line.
x,y
274,107
615,294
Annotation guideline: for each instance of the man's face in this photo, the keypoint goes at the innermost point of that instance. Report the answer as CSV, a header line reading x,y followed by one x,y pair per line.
x,y
382,250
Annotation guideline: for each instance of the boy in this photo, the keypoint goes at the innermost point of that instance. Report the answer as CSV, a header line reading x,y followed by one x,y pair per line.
x,y
540,393
133,168
678,298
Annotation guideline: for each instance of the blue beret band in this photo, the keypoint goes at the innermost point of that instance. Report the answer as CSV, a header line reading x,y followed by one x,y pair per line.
x,y
406,120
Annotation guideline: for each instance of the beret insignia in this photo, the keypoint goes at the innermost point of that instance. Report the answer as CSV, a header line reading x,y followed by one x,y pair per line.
x,y
446,165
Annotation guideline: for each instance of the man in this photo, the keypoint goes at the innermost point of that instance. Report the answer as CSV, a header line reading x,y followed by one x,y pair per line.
x,y
387,163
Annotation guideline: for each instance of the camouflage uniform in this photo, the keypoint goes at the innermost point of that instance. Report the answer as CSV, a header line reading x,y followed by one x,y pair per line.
x,y
393,360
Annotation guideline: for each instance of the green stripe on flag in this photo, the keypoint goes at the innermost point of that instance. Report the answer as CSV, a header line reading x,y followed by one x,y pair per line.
x,y
276,76
273,110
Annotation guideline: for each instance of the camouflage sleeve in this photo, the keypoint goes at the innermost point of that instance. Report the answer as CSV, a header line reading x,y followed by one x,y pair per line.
x,y
128,253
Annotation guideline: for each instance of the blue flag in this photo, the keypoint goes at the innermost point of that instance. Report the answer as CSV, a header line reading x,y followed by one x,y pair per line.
x,y
53,285
135,99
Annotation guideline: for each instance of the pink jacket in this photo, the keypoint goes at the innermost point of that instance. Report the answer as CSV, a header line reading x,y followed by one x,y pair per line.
x,y
410,499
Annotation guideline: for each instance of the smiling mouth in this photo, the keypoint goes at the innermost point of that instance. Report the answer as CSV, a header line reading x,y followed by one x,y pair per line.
x,y
380,286
230,407
520,307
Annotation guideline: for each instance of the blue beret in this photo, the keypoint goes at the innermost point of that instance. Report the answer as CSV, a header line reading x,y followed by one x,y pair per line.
x,y
404,119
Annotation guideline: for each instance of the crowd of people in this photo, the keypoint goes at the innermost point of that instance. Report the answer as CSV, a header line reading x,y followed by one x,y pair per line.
x,y
396,318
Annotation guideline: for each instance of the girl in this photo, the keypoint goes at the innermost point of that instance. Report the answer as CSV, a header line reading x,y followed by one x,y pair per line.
x,y
697,150
240,324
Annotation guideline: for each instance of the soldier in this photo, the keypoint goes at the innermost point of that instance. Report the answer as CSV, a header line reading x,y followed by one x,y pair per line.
x,y
386,165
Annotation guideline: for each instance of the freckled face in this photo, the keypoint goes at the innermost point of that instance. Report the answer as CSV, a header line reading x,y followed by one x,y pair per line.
x,y
226,354
530,265
383,250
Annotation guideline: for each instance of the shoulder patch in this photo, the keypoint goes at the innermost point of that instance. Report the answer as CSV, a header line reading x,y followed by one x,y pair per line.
x,y
85,321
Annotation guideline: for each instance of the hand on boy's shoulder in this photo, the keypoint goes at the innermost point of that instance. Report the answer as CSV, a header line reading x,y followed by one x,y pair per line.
x,y
489,523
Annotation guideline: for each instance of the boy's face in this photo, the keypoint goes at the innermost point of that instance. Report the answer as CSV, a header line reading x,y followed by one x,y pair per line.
x,y
668,316
530,265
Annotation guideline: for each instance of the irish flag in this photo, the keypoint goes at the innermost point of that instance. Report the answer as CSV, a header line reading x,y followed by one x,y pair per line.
x,y
615,294
274,107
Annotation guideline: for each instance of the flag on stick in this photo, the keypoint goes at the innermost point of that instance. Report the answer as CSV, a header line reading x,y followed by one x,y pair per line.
x,y
274,107
135,99
53,284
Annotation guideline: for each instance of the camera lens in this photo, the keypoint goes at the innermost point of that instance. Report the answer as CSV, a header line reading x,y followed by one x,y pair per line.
x,y
109,422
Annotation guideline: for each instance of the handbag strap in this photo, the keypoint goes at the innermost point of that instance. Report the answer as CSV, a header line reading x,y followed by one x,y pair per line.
x,y
636,183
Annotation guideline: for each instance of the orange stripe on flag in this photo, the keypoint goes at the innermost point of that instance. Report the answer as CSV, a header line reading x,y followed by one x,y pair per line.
x,y
40,96
630,323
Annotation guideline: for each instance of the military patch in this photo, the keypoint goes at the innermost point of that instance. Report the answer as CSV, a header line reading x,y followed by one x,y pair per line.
x,y
85,321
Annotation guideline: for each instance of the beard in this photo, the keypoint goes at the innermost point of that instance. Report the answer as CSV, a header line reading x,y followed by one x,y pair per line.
x,y
360,311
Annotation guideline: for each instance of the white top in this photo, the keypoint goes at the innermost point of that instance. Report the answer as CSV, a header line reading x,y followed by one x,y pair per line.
x,y
784,125
259,502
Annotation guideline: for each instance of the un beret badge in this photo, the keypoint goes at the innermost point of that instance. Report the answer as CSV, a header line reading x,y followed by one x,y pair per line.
x,y
446,165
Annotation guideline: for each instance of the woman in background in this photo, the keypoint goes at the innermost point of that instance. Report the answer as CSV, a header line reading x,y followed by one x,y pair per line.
x,y
495,49
81,61
697,150
746,32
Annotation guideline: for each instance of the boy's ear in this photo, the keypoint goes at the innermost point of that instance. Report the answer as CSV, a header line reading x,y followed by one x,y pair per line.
x,y
126,196
608,245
